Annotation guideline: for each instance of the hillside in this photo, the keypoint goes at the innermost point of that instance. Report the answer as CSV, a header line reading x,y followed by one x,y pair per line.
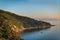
x,y
25,21
6,31
11,24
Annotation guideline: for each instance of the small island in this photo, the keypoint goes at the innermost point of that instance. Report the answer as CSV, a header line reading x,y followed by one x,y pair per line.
x,y
11,25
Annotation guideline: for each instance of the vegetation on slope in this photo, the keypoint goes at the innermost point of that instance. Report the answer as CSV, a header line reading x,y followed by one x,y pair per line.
x,y
11,23
25,21
6,32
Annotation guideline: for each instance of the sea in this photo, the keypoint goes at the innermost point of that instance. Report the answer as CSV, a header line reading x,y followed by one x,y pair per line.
x,y
52,33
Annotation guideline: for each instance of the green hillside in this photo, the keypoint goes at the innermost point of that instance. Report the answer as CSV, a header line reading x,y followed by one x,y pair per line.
x,y
11,23
21,20
6,32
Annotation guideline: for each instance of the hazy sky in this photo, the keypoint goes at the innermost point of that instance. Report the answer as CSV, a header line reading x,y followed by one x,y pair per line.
x,y
33,8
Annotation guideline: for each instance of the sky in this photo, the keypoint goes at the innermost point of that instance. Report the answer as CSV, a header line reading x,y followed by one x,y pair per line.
x,y
33,8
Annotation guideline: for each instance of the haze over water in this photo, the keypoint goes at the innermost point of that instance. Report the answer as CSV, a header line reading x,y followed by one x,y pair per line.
x,y
49,34
44,9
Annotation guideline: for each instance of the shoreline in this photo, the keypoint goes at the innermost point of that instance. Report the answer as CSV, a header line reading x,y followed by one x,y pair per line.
x,y
34,29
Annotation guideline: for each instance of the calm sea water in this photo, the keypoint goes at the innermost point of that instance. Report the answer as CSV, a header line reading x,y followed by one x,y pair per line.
x,y
50,34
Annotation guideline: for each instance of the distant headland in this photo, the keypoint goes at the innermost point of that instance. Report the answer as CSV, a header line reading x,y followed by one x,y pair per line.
x,y
11,25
